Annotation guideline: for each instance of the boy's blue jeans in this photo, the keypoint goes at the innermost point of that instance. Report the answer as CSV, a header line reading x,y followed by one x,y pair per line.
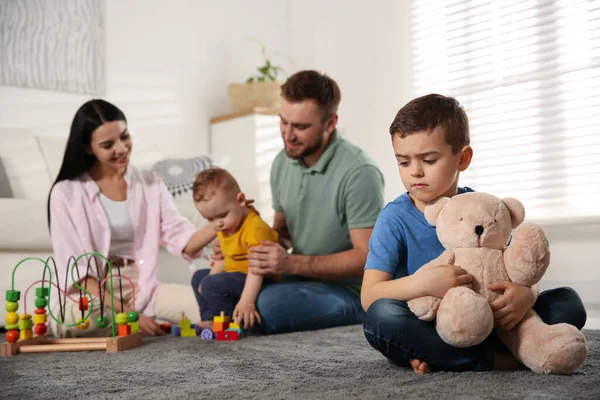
x,y
290,305
399,335
220,292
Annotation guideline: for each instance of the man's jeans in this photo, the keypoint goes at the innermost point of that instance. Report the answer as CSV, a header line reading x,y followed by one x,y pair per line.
x,y
295,304
399,335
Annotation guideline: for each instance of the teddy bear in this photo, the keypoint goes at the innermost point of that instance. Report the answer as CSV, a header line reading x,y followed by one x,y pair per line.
x,y
475,229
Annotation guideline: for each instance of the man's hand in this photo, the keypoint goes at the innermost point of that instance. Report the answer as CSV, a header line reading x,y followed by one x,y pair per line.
x,y
510,308
149,327
286,243
269,259
246,311
441,278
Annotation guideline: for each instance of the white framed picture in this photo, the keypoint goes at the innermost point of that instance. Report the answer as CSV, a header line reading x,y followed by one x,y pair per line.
x,y
53,45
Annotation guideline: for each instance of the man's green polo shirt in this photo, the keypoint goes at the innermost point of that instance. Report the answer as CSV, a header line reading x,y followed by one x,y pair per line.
x,y
342,191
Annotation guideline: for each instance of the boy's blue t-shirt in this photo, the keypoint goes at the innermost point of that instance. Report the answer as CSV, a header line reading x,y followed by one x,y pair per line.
x,y
402,240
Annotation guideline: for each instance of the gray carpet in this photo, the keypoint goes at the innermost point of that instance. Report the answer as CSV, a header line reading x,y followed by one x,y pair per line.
x,y
334,363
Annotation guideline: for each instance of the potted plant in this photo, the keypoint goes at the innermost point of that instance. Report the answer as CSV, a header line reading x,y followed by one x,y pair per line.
x,y
259,90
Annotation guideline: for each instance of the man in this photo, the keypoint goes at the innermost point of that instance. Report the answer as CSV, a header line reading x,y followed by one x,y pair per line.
x,y
327,194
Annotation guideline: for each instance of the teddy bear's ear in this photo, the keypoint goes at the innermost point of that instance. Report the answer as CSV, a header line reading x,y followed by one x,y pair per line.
x,y
516,210
433,209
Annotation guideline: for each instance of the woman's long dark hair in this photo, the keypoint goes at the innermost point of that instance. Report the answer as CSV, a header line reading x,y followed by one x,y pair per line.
x,y
77,159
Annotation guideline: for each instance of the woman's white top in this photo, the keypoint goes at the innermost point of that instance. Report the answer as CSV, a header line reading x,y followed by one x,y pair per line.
x,y
121,227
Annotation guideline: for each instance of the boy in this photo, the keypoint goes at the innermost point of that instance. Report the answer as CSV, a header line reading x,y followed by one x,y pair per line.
x,y
228,286
430,137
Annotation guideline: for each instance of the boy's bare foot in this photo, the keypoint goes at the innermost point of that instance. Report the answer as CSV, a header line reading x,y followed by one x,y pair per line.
x,y
419,367
506,361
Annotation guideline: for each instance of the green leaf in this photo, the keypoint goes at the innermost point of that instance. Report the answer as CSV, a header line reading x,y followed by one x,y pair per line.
x,y
275,70
250,80
267,71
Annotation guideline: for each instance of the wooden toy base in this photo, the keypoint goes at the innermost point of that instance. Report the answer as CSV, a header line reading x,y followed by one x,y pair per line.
x,y
43,344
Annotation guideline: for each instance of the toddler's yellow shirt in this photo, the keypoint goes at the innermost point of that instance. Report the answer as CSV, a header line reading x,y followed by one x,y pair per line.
x,y
235,247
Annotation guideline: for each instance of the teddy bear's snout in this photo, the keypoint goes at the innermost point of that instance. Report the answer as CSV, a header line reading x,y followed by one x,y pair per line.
x,y
479,230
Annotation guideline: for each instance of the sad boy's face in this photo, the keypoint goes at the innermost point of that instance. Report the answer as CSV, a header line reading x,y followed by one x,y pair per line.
x,y
428,168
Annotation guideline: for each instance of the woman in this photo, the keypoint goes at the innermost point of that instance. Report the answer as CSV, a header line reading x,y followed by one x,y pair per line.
x,y
100,203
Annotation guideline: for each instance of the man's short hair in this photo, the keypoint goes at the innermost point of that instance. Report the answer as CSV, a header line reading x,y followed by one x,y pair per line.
x,y
210,180
429,112
312,85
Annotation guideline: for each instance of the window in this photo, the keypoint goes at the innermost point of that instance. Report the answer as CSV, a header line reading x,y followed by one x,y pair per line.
x,y
528,74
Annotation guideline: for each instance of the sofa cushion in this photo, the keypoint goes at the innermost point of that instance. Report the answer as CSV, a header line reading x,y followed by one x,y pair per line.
x,y
143,155
24,164
52,149
24,224
5,189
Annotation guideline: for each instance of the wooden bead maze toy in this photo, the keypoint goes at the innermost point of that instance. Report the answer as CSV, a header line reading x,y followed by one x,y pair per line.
x,y
20,330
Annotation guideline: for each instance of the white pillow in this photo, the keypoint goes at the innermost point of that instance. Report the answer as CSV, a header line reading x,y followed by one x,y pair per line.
x,y
145,156
24,164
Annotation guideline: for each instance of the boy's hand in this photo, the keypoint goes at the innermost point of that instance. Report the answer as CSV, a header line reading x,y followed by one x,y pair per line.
x,y
510,308
217,266
149,327
441,278
246,311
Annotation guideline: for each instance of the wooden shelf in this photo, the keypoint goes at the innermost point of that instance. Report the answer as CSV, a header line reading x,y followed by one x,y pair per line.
x,y
238,114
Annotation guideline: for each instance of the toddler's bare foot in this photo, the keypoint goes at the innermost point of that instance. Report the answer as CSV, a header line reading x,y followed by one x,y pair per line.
x,y
419,367
205,324
506,361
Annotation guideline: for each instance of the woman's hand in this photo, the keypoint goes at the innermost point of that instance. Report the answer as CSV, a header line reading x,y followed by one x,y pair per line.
x,y
149,327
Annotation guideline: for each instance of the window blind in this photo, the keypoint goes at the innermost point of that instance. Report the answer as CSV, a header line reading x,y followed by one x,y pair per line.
x,y
528,74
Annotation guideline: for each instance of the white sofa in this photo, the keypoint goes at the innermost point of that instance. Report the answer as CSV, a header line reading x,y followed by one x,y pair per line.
x,y
31,164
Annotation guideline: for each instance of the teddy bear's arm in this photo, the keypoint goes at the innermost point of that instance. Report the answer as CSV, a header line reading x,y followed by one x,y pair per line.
x,y
425,308
528,255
